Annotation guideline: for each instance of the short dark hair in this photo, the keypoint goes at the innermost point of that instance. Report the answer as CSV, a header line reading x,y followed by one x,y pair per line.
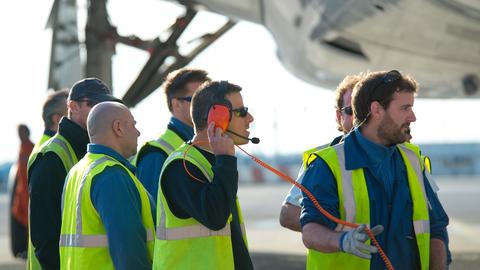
x,y
56,103
348,83
374,88
177,80
207,94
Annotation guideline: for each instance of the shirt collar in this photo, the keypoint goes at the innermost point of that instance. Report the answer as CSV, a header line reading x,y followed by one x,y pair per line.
x,y
183,130
102,149
75,135
363,153
49,132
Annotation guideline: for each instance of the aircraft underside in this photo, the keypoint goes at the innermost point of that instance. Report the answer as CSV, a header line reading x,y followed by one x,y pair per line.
x,y
319,41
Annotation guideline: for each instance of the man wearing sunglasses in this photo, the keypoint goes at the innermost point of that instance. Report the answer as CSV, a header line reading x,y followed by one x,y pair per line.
x,y
48,167
376,179
199,220
290,211
179,87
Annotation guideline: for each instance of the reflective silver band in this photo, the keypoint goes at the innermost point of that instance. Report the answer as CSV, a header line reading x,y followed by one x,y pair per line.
x,y
98,240
169,148
79,226
421,226
414,162
65,148
347,189
77,240
193,231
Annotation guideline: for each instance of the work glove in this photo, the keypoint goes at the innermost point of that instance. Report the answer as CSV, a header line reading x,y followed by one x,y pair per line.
x,y
353,242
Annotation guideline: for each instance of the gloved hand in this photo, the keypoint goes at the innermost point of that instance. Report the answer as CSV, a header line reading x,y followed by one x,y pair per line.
x,y
353,241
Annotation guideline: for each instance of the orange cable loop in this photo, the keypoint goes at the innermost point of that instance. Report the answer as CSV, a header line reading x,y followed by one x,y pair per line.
x,y
306,191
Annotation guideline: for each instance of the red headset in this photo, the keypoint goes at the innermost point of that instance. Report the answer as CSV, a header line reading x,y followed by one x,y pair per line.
x,y
220,114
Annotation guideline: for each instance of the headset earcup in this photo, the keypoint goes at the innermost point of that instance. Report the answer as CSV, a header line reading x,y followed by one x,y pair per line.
x,y
220,114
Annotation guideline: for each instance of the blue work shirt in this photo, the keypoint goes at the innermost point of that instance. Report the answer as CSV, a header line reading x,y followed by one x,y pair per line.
x,y
150,161
117,201
389,195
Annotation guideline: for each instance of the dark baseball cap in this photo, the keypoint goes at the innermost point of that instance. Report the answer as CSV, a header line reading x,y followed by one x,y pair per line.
x,y
92,89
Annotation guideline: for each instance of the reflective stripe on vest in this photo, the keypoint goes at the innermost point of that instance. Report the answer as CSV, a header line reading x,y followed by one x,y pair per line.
x,y
347,191
166,146
76,240
192,231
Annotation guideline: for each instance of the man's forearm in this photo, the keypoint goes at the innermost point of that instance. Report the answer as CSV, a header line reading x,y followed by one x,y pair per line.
x,y
320,238
438,255
290,217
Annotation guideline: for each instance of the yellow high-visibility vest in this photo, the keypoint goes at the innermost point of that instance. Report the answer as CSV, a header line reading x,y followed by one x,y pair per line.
x,y
354,206
62,148
185,243
43,139
83,238
167,142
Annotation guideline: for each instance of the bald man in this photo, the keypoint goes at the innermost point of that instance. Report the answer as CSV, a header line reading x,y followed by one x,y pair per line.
x,y
107,217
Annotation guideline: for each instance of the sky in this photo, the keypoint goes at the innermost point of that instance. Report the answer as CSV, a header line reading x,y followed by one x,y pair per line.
x,y
290,115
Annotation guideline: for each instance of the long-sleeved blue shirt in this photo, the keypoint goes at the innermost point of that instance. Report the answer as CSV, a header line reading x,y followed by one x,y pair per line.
x,y
150,159
389,195
117,201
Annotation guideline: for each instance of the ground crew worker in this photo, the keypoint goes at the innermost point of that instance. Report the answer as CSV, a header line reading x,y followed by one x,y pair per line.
x,y
290,211
54,108
375,179
179,88
48,167
199,220
107,215
19,200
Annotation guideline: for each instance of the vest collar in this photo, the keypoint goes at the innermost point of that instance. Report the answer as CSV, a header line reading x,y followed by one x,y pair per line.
x,y
49,132
102,149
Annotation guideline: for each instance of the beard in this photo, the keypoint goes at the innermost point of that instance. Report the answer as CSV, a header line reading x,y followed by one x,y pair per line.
x,y
391,133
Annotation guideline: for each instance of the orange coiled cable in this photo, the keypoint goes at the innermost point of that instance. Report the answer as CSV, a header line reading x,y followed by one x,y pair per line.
x,y
306,191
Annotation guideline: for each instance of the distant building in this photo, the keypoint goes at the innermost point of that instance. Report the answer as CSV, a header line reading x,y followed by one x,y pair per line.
x,y
446,159
453,159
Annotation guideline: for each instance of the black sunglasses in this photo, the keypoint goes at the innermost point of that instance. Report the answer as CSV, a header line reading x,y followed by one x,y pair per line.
x,y
347,110
389,77
240,112
187,98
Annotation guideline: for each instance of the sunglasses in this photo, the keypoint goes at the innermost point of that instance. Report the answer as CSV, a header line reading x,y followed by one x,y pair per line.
x,y
187,98
347,110
389,77
240,112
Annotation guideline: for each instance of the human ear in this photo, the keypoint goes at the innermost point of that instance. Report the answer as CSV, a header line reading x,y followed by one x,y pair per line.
x,y
117,128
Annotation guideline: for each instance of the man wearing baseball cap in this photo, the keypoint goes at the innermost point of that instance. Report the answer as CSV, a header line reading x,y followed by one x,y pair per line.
x,y
48,167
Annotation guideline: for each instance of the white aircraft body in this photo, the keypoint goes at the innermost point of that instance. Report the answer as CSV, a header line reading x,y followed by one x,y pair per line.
x,y
319,41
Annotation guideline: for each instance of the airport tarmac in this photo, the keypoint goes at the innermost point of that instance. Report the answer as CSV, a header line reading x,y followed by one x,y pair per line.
x,y
274,247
